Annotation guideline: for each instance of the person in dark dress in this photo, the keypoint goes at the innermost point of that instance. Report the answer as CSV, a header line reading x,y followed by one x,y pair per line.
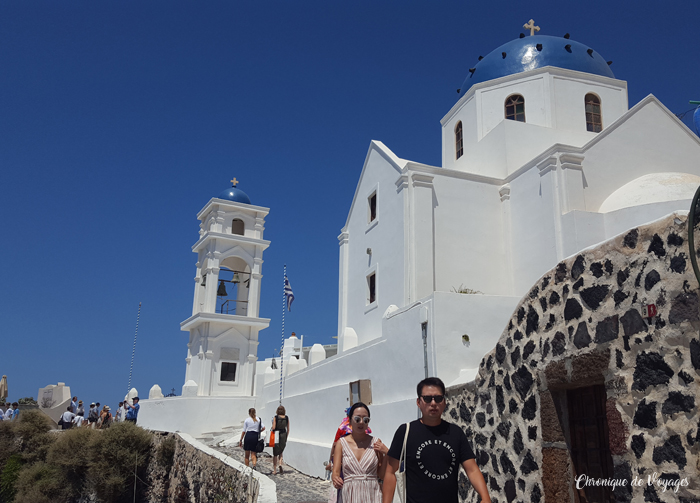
x,y
280,425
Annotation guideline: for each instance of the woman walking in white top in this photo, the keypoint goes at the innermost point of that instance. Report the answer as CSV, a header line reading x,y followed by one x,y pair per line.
x,y
252,427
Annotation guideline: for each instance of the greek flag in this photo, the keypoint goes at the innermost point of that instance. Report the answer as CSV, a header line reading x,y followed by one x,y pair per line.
x,y
288,293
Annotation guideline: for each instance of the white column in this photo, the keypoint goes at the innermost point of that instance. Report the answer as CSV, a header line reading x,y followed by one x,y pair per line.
x,y
573,183
549,183
423,239
402,187
344,243
504,192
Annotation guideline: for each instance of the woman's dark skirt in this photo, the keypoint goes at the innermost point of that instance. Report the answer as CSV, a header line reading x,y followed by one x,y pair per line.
x,y
250,441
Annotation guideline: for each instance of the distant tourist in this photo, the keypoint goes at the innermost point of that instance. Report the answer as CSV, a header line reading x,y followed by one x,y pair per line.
x,y
280,425
362,458
133,410
78,421
8,412
252,427
434,451
15,411
93,415
81,409
105,417
67,418
74,405
119,413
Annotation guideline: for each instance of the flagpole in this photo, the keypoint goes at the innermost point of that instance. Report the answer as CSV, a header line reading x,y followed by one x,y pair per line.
x,y
284,306
133,351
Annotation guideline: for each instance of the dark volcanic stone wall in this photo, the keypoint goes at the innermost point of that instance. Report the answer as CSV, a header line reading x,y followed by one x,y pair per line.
x,y
193,476
581,325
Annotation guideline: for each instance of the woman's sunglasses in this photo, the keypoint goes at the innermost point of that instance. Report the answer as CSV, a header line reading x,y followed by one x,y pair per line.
x,y
359,419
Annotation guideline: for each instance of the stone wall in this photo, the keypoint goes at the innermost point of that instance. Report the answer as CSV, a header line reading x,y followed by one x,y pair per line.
x,y
580,326
194,476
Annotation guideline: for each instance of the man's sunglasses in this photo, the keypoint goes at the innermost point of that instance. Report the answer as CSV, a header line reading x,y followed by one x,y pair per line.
x,y
430,398
359,419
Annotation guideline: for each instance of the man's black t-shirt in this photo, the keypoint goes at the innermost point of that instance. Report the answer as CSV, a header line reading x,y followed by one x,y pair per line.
x,y
433,457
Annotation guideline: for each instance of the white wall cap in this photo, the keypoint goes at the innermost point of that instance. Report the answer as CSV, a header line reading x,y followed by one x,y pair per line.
x,y
155,392
390,310
317,354
349,338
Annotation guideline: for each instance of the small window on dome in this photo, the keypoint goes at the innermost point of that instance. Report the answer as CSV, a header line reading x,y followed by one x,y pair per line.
x,y
515,108
459,143
594,119
237,227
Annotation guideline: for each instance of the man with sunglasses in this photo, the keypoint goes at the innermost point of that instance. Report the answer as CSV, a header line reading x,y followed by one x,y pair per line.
x,y
434,451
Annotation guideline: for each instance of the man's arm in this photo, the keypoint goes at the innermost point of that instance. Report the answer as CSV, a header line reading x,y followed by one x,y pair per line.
x,y
389,485
476,478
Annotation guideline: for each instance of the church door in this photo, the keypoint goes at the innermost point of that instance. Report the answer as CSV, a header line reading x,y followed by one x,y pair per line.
x,y
590,448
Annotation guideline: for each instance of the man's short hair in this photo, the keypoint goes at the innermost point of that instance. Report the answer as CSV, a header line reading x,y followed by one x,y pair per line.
x,y
430,381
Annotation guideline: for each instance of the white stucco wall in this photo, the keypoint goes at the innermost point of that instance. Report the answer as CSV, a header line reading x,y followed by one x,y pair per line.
x,y
194,415
385,237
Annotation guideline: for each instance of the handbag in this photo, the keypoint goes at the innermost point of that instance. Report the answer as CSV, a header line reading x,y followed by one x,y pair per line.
x,y
272,439
400,492
261,440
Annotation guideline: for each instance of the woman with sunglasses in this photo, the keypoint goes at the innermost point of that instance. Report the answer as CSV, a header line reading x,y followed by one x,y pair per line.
x,y
361,458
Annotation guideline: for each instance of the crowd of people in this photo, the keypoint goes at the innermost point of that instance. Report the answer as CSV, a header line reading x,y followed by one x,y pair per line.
x,y
96,417
11,412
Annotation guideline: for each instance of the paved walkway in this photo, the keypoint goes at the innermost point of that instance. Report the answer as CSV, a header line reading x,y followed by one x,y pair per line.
x,y
292,486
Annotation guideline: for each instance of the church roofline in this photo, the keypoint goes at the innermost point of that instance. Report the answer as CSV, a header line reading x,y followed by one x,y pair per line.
x,y
574,74
398,164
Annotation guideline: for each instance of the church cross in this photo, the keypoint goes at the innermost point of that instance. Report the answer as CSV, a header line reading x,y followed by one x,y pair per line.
x,y
531,26
234,181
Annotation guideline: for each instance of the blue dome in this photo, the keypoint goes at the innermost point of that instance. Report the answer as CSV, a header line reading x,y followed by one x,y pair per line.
x,y
235,195
522,54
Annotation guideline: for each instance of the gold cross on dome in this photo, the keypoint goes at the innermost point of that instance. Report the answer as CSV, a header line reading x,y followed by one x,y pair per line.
x,y
531,26
234,181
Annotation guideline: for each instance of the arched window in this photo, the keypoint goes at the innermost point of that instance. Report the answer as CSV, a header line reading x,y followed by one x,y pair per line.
x,y
594,119
237,227
515,108
459,143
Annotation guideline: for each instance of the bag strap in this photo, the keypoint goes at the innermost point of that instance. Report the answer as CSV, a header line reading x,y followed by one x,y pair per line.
x,y
402,461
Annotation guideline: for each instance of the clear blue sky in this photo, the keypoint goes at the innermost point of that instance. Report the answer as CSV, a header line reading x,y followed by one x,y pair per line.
x,y
120,120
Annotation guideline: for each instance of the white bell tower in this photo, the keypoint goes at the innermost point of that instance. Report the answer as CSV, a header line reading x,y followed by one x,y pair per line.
x,y
224,326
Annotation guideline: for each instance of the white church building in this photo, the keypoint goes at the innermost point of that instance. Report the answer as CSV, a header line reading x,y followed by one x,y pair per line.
x,y
541,157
